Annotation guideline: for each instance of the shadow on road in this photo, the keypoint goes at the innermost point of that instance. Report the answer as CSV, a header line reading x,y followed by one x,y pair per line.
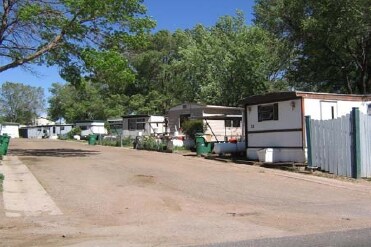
x,y
64,152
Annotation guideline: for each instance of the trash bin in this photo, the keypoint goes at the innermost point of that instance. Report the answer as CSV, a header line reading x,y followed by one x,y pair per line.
x,y
92,139
4,144
2,151
202,147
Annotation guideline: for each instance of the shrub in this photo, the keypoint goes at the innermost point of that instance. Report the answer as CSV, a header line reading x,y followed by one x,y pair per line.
x,y
191,127
73,132
150,143
127,141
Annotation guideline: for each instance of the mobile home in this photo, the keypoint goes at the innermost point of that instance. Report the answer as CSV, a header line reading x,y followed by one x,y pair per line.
x,y
45,131
134,125
91,127
222,122
11,129
275,121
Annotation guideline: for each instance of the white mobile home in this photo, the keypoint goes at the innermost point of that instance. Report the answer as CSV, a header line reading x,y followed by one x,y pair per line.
x,y
275,121
222,122
11,129
45,131
91,127
134,125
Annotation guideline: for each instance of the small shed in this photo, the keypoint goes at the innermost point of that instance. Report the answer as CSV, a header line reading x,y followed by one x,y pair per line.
x,y
275,121
91,127
221,121
45,131
142,124
11,129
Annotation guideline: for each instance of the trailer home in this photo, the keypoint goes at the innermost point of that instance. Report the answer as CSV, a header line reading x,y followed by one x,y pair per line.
x,y
11,129
136,125
45,131
221,122
91,127
275,122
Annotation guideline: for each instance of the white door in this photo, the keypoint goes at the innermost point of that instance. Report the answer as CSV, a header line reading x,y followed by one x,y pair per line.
x,y
329,110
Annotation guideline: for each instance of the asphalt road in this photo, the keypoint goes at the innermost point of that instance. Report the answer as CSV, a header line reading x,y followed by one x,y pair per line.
x,y
59,193
352,238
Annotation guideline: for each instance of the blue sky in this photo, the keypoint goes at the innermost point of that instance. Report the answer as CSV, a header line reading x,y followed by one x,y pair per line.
x,y
169,14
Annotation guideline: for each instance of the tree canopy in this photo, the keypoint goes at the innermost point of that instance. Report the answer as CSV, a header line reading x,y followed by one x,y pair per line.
x,y
20,103
221,65
58,31
305,45
330,40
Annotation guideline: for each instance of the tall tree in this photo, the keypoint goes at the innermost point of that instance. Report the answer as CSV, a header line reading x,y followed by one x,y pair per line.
x,y
85,102
21,103
58,31
229,62
331,40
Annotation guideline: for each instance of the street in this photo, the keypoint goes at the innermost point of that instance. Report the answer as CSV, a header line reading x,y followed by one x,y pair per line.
x,y
65,193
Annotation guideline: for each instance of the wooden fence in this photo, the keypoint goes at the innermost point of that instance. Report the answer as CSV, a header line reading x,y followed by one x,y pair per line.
x,y
341,146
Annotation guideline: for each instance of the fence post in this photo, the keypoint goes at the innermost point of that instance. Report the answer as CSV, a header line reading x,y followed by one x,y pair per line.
x,y
309,141
356,152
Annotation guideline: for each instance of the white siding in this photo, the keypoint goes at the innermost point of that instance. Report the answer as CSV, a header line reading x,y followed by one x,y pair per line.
x,y
153,125
11,130
288,117
92,128
276,139
219,129
156,125
315,108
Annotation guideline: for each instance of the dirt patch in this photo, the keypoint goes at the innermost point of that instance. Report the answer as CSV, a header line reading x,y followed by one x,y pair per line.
x,y
244,214
144,179
171,204
29,159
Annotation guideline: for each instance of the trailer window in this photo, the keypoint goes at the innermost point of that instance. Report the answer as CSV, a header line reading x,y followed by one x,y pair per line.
x,y
136,123
369,109
268,112
236,123
228,123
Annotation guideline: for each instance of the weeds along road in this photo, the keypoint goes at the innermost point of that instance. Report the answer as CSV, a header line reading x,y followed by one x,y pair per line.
x,y
59,193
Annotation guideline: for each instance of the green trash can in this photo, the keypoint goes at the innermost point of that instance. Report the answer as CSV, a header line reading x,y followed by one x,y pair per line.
x,y
4,144
92,139
2,151
202,147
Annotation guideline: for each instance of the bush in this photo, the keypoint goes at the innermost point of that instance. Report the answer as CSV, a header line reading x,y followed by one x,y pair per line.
x,y
150,143
73,132
191,127
127,141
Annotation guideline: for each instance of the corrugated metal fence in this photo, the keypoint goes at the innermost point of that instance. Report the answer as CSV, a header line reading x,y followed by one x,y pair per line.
x,y
365,138
332,145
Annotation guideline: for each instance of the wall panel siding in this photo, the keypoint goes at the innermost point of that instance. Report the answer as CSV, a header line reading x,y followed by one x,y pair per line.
x,y
219,129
